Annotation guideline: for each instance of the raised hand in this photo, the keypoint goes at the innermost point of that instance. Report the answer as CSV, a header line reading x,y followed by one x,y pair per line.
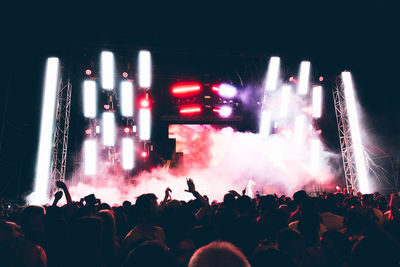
x,y
58,195
244,191
168,192
60,184
191,186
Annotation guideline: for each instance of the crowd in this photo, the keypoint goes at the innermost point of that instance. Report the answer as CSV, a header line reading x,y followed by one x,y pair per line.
x,y
335,229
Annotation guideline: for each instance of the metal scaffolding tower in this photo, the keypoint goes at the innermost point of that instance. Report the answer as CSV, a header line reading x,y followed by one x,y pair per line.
x,y
346,143
60,142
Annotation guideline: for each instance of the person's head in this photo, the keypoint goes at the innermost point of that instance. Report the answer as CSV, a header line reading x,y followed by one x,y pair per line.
x,y
291,242
266,203
146,206
32,223
86,241
108,223
244,204
271,222
218,253
150,254
229,201
299,196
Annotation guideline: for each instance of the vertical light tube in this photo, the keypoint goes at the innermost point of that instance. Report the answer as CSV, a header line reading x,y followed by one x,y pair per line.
x,y
107,70
285,97
272,74
43,163
304,77
317,102
126,98
89,99
108,130
299,129
90,157
315,153
128,160
265,123
355,133
144,65
144,124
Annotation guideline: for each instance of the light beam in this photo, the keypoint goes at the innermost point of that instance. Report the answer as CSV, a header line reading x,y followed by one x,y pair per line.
x,y
43,164
355,133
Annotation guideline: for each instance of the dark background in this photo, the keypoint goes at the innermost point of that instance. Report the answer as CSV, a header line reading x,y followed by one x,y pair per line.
x,y
192,38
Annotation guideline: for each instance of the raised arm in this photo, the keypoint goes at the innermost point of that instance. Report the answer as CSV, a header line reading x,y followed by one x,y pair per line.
x,y
192,189
63,187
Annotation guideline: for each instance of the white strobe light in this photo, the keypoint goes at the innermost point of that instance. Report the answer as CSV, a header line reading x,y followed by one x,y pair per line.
x,y
108,129
90,157
144,66
285,97
89,99
304,77
107,70
265,123
272,74
355,133
144,124
42,175
128,160
126,97
317,102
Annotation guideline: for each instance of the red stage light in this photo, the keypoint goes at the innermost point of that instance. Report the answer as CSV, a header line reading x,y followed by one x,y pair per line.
x,y
190,110
291,79
144,154
144,103
107,107
321,78
125,74
185,89
88,72
88,131
127,130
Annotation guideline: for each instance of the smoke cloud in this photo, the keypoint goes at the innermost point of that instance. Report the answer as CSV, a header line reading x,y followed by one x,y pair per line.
x,y
217,160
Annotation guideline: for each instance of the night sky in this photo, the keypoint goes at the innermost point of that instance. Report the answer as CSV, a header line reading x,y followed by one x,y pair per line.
x,y
211,39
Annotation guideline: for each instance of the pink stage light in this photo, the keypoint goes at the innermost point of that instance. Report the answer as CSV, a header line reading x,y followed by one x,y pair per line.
x,y
190,110
185,89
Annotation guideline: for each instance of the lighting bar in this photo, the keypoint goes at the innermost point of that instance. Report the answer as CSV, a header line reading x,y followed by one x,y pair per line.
x,y
272,74
299,129
315,152
107,70
185,89
144,66
108,129
128,160
304,77
317,102
265,123
144,124
43,164
90,157
89,99
285,97
227,90
190,110
355,133
126,96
